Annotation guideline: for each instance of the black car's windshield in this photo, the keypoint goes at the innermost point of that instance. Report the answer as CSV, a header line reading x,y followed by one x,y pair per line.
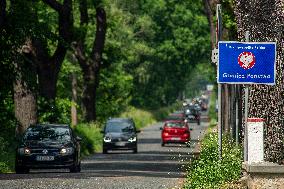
x,y
47,133
118,127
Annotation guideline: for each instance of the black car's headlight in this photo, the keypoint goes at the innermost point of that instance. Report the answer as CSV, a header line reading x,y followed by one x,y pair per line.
x,y
24,151
107,139
132,139
67,151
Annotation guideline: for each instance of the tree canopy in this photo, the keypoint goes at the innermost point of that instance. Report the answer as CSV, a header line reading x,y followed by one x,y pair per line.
x,y
147,58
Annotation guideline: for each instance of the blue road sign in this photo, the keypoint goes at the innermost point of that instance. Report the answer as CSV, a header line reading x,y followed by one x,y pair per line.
x,y
246,62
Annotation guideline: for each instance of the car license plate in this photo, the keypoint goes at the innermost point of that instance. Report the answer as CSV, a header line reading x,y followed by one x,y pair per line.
x,y
120,144
175,138
44,158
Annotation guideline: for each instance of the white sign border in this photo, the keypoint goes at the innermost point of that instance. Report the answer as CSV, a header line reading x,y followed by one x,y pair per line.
x,y
249,83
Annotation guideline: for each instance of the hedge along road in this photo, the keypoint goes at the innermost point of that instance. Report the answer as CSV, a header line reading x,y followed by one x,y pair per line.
x,y
152,167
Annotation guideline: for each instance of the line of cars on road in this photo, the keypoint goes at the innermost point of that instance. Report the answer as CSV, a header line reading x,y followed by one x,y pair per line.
x,y
57,146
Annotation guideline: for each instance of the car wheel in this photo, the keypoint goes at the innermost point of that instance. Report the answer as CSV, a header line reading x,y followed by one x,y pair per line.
x,y
135,150
21,170
104,151
76,168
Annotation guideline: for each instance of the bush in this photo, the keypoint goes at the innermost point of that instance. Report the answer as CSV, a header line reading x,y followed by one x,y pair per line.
x,y
212,109
141,118
162,113
209,171
91,137
4,164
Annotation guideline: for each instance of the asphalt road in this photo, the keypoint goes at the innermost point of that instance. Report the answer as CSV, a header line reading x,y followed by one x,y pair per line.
x,y
152,167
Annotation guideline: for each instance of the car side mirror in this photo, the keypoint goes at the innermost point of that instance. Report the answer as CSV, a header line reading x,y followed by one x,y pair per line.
x,y
79,139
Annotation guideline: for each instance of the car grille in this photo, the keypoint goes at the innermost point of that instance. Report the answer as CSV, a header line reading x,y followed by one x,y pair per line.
x,y
119,139
41,151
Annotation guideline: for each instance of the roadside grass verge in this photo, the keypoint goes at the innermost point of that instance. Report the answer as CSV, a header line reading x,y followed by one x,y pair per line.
x,y
7,157
142,118
209,171
91,137
212,110
7,146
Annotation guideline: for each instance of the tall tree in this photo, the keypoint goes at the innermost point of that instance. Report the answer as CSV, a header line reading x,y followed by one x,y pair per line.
x,y
264,20
49,65
209,5
18,32
90,62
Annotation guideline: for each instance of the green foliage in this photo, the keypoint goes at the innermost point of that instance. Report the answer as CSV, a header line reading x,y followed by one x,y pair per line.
x,y
58,111
7,153
229,19
181,42
3,161
209,171
141,118
161,113
7,139
201,75
91,137
114,92
212,109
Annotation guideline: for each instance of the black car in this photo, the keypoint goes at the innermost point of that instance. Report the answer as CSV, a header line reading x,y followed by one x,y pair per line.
x,y
48,146
120,134
192,113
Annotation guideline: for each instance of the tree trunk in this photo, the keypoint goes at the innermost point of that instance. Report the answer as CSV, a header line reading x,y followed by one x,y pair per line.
x,y
91,64
210,17
25,100
264,20
74,117
47,77
91,81
49,66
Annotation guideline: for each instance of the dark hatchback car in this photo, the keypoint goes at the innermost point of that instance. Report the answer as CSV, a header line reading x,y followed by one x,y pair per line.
x,y
120,134
48,146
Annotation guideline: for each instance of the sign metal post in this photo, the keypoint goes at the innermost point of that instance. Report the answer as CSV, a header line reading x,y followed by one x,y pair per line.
x,y
219,30
246,112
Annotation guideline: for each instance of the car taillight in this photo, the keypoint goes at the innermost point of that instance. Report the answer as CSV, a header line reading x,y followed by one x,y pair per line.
x,y
165,134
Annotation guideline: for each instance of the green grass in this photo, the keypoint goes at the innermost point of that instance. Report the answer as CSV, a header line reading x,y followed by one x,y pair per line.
x,y
142,118
209,171
91,137
7,157
212,110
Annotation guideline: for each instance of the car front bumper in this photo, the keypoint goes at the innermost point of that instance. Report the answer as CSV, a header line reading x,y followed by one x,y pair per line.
x,y
119,145
59,161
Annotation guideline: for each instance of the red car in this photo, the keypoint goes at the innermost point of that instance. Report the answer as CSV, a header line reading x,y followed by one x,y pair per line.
x,y
175,131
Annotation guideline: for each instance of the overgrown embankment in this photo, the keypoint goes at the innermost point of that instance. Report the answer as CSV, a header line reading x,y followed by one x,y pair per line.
x,y
209,171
